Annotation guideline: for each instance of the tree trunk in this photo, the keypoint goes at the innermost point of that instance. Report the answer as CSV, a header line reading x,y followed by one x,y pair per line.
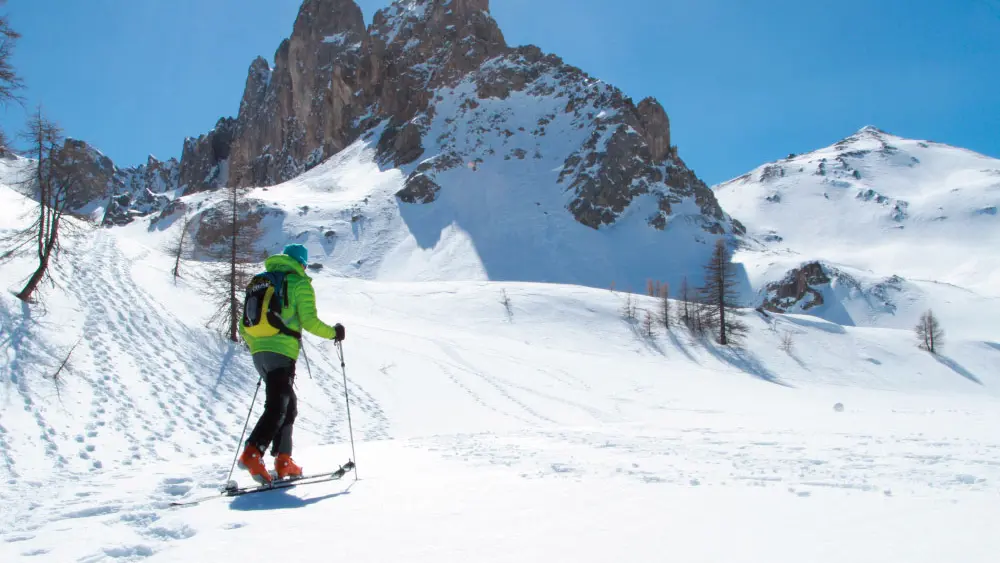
x,y
33,282
177,268
720,279
38,275
233,322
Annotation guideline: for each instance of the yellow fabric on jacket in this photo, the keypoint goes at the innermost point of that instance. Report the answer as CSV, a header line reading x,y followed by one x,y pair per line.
x,y
299,315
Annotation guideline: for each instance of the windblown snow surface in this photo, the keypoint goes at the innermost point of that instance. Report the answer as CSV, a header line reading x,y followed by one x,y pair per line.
x,y
557,432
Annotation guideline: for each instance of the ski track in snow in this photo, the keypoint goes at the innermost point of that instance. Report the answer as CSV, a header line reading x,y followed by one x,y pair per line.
x,y
703,456
152,354
493,382
329,378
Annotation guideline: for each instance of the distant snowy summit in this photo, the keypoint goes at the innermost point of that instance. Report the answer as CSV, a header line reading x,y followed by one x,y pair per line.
x,y
865,219
875,177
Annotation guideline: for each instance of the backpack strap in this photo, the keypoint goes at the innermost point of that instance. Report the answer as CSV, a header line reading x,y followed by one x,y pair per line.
x,y
280,280
279,324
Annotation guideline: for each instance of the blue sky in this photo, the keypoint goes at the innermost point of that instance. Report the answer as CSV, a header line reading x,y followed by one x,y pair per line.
x,y
743,82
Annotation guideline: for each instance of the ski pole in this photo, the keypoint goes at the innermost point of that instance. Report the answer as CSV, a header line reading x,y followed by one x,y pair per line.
x,y
245,425
302,345
350,426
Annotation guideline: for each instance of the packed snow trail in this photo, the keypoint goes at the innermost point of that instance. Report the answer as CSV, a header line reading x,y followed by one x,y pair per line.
x,y
158,386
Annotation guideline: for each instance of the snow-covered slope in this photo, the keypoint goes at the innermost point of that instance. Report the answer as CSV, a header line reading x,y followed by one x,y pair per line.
x,y
500,226
872,209
557,432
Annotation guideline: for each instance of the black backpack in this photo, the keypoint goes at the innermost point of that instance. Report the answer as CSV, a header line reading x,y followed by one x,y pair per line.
x,y
266,295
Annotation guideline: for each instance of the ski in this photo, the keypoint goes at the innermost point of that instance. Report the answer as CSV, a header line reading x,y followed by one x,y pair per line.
x,y
289,483
231,491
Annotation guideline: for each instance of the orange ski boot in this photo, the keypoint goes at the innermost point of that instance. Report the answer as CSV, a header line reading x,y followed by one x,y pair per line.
x,y
251,460
286,468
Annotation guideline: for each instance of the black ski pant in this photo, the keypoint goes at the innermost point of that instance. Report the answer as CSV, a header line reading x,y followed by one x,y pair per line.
x,y
274,427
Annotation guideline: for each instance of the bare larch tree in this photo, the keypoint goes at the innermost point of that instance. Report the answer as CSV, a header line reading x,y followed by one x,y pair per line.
x,y
10,82
929,332
648,324
178,246
685,312
54,181
721,297
233,249
664,316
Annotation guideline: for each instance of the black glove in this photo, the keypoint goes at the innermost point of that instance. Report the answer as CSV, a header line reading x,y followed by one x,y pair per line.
x,y
340,332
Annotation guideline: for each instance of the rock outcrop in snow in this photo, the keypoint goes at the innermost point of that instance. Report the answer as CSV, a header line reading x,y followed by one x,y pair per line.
x,y
807,289
797,289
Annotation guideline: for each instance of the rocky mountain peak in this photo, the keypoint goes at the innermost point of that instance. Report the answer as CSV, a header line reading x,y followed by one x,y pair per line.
x,y
870,130
449,12
437,83
301,111
868,138
431,43
325,19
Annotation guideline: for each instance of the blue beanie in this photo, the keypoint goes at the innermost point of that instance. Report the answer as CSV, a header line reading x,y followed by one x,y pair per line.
x,y
298,252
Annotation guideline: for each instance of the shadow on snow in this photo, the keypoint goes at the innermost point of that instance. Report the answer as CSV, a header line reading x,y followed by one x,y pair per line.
x,y
280,499
957,368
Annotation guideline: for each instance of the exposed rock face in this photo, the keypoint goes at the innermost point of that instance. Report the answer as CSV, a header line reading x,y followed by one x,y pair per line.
x,y
400,145
655,127
444,66
204,161
96,176
419,189
124,193
802,289
418,46
303,110
796,289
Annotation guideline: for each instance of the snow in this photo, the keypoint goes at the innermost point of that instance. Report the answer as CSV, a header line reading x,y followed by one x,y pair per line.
x,y
878,206
560,433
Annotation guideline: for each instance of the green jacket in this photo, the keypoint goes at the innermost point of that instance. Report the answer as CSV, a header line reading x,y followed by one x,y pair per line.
x,y
299,315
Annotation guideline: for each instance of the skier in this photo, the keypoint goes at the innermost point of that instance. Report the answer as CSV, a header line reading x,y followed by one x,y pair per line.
x,y
275,357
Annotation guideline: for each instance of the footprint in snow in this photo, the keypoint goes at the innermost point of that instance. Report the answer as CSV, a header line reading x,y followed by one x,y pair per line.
x,y
91,512
140,519
181,532
129,552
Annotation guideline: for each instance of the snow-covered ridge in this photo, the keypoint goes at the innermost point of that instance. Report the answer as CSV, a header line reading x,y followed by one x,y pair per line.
x,y
884,206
